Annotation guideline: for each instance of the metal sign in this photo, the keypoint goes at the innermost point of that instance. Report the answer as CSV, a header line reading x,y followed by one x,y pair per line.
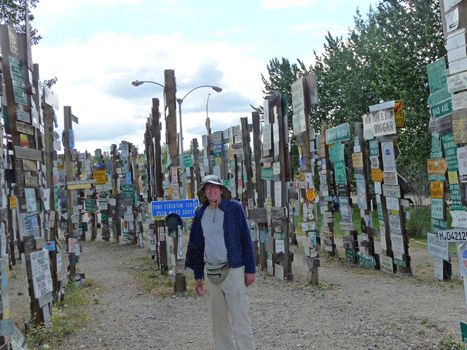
x,y
452,236
441,109
338,134
459,219
462,163
437,76
436,189
184,208
450,151
436,248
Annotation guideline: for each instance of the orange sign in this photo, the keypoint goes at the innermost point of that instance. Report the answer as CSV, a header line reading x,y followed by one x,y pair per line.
x,y
377,175
310,194
436,189
437,166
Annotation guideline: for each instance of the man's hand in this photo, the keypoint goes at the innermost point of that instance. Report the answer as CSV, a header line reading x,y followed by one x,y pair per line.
x,y
199,287
249,279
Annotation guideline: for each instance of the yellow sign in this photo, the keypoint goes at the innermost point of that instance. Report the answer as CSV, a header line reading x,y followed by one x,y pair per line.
x,y
377,175
231,153
436,189
61,166
310,194
100,177
399,114
437,166
12,202
357,159
453,178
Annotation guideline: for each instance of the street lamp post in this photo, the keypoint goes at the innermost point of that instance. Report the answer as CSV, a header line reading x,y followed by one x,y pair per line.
x,y
182,154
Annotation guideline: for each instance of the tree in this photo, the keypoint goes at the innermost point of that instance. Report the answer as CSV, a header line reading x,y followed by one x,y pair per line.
x,y
13,12
384,58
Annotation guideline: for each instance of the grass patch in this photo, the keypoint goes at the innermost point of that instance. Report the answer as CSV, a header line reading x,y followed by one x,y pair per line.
x,y
65,319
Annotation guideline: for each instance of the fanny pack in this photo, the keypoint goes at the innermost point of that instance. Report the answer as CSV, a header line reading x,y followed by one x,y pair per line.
x,y
217,272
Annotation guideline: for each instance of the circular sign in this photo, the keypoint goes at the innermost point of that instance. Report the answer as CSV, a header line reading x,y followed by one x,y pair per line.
x,y
310,194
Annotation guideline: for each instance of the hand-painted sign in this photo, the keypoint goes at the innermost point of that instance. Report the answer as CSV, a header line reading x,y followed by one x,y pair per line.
x,y
436,189
379,123
437,166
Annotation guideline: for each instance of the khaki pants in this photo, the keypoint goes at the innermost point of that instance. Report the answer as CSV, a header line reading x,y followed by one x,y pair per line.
x,y
231,326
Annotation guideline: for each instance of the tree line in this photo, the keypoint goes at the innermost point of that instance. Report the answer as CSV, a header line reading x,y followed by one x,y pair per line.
x,y
382,58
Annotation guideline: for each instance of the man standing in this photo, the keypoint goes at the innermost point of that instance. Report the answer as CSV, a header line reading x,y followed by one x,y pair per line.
x,y
220,247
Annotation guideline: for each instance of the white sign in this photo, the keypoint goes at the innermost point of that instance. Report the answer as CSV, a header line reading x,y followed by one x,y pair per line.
x,y
459,219
452,235
267,135
436,248
392,203
397,242
41,276
389,160
298,96
391,191
379,123
462,254
71,245
299,122
280,245
382,232
395,224
462,162
438,268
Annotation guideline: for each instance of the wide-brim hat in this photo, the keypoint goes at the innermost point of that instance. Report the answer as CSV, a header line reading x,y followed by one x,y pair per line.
x,y
216,180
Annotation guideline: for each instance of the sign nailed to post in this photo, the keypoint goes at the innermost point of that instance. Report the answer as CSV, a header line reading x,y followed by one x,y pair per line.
x,y
379,123
184,208
337,134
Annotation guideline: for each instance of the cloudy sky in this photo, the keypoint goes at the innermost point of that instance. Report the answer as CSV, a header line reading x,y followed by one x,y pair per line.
x,y
96,48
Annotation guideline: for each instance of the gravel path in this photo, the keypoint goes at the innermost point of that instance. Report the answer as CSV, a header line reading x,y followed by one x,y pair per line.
x,y
352,308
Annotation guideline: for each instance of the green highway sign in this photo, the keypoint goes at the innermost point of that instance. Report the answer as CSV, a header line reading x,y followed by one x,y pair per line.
x,y
188,161
339,170
267,174
437,75
338,134
441,109
336,153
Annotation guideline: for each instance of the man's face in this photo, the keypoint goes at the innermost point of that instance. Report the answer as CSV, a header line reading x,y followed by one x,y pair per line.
x,y
213,192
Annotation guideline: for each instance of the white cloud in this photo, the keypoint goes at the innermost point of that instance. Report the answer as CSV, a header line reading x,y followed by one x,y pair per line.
x,y
95,80
230,31
64,8
279,4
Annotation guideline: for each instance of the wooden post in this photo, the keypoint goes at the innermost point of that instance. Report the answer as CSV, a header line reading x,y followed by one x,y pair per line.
x,y
262,228
51,154
159,194
69,177
171,124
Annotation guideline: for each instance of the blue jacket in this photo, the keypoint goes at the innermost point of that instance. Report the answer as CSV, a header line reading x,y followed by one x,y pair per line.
x,y
236,235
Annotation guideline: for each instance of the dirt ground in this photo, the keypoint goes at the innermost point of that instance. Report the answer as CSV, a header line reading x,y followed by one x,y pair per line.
x,y
351,308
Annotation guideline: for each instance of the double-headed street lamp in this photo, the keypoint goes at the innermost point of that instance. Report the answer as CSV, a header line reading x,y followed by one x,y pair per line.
x,y
137,83
182,154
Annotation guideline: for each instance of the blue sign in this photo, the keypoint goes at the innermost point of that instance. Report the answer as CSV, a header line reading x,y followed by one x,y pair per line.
x,y
71,138
184,208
